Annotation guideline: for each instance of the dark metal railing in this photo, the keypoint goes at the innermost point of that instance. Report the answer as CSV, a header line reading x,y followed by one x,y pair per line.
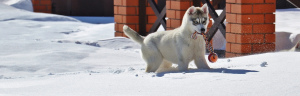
x,y
218,21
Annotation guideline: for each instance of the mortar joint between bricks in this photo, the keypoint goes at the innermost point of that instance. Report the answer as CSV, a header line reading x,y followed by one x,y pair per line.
x,y
249,23
250,13
239,53
249,3
248,43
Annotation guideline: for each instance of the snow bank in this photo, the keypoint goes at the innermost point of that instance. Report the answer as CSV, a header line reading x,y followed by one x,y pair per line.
x,y
95,20
91,33
11,13
20,4
31,47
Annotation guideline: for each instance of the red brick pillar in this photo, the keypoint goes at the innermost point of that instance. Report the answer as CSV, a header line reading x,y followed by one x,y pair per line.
x,y
175,11
126,12
250,27
44,6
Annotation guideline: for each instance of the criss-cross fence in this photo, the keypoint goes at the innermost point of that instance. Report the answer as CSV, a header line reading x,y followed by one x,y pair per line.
x,y
295,3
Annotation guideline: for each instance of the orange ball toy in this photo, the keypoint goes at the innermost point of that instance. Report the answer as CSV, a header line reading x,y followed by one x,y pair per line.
x,y
212,57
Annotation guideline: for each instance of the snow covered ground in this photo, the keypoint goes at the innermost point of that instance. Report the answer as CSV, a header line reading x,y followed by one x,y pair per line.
x,y
52,55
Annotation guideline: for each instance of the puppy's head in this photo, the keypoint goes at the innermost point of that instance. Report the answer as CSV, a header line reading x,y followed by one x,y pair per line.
x,y
198,18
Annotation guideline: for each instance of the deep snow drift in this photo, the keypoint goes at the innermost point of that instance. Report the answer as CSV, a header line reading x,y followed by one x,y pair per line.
x,y
52,55
20,4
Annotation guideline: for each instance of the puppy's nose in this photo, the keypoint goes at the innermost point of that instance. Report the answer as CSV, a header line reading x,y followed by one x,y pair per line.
x,y
202,30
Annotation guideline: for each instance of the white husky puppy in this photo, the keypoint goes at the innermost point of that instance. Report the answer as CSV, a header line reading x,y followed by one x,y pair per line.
x,y
161,49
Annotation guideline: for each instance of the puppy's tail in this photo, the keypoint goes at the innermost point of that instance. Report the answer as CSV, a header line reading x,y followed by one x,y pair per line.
x,y
133,35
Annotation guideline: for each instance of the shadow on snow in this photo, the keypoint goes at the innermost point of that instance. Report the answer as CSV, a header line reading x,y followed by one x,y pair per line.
x,y
218,70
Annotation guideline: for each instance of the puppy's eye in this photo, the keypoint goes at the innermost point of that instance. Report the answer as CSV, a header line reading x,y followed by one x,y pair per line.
x,y
204,20
196,21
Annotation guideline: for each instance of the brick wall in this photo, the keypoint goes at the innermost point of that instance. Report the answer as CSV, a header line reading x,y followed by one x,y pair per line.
x,y
42,6
250,27
127,12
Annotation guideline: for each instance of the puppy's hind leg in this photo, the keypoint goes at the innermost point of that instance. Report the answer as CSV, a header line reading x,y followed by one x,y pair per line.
x,y
164,67
153,63
153,59
166,64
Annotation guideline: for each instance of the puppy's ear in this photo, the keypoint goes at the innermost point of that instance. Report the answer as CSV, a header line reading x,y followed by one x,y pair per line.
x,y
192,10
204,8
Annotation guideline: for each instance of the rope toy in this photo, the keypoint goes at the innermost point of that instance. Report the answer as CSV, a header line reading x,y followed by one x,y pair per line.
x,y
212,57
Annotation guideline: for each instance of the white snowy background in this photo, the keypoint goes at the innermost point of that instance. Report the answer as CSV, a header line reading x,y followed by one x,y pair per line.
x,y
53,55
